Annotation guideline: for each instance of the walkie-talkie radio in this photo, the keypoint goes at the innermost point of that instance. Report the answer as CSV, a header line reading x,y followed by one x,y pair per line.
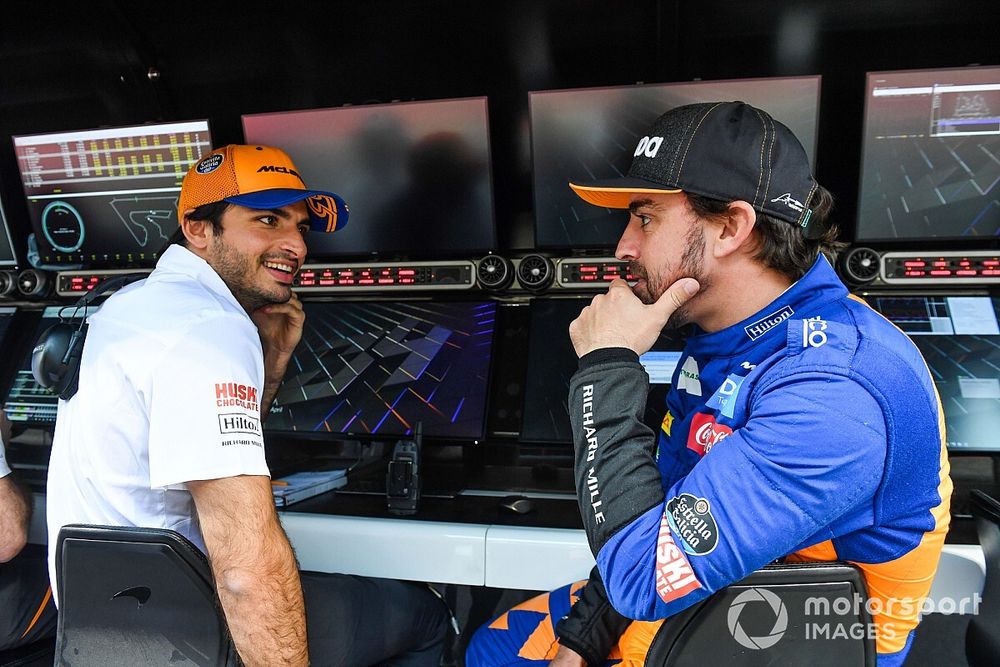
x,y
402,482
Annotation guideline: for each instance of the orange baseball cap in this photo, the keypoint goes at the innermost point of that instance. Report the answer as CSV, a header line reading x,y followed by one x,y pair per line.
x,y
258,177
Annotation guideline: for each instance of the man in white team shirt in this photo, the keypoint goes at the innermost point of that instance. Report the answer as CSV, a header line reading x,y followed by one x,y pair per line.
x,y
165,430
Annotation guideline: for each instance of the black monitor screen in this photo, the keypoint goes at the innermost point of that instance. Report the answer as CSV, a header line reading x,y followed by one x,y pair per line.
x,y
931,161
960,340
552,362
7,256
27,401
107,197
415,175
591,133
6,313
378,368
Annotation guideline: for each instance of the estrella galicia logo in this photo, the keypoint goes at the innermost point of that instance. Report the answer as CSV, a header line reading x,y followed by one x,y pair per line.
x,y
691,519
780,618
210,164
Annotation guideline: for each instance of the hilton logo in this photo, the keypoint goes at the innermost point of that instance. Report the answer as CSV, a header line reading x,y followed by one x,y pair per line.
x,y
235,422
765,324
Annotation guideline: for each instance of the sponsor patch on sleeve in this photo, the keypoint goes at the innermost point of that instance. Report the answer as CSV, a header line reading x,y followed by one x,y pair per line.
x,y
674,576
691,519
238,412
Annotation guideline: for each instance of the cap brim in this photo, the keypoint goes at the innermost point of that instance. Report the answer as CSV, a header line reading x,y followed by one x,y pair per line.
x,y
618,192
328,212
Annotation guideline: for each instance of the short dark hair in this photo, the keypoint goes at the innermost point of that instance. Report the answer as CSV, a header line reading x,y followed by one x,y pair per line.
x,y
782,246
210,213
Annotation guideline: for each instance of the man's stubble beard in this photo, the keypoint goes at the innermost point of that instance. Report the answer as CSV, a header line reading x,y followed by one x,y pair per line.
x,y
237,271
691,266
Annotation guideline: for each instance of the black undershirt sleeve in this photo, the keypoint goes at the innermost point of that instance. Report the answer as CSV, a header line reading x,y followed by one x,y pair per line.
x,y
592,626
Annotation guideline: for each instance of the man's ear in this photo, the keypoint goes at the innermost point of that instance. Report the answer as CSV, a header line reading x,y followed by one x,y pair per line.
x,y
734,232
197,232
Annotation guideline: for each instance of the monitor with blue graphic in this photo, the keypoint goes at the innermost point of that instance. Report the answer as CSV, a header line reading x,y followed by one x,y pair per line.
x,y
377,368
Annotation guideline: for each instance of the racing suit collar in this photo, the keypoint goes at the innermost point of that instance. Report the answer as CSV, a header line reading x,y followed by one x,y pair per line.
x,y
819,286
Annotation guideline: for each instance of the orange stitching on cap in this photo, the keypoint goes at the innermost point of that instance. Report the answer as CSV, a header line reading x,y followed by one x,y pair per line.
x,y
677,176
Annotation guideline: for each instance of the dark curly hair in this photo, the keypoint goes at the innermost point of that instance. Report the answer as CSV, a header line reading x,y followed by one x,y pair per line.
x,y
782,246
210,213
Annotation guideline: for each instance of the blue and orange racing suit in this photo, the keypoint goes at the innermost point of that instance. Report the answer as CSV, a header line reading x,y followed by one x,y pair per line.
x,y
810,431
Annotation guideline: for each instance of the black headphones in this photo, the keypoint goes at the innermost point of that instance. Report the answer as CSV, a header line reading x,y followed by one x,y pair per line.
x,y
55,360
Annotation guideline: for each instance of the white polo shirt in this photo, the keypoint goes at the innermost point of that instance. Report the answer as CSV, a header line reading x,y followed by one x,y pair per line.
x,y
170,387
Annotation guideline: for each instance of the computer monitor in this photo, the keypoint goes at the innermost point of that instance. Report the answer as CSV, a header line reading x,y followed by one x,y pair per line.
x,y
7,256
7,364
375,369
27,401
931,156
590,133
552,362
6,315
960,339
415,175
107,197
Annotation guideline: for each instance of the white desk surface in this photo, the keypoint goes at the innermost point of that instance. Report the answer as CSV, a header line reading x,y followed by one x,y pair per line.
x,y
524,558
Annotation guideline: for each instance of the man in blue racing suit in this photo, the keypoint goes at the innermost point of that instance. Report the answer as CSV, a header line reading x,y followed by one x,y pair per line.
x,y
800,425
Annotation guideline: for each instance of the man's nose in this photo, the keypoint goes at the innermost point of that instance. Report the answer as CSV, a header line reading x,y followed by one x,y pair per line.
x,y
628,244
294,243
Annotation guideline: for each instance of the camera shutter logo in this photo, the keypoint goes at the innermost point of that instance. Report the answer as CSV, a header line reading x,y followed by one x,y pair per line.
x,y
780,618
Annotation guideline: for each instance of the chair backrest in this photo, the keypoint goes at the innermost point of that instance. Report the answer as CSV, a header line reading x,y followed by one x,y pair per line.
x,y
136,596
982,639
37,654
791,614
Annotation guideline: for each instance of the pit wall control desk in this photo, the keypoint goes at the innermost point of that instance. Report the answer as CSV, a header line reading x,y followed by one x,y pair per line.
x,y
497,550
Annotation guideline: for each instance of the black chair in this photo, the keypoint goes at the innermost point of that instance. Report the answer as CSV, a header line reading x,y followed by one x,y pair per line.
x,y
136,596
791,614
982,638
35,654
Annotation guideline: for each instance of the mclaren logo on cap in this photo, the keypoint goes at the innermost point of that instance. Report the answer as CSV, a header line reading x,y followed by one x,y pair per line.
x,y
281,170
210,164
324,207
648,146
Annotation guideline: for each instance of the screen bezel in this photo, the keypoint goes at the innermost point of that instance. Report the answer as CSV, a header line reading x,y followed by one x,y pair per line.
x,y
12,262
533,95
918,241
81,134
401,254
